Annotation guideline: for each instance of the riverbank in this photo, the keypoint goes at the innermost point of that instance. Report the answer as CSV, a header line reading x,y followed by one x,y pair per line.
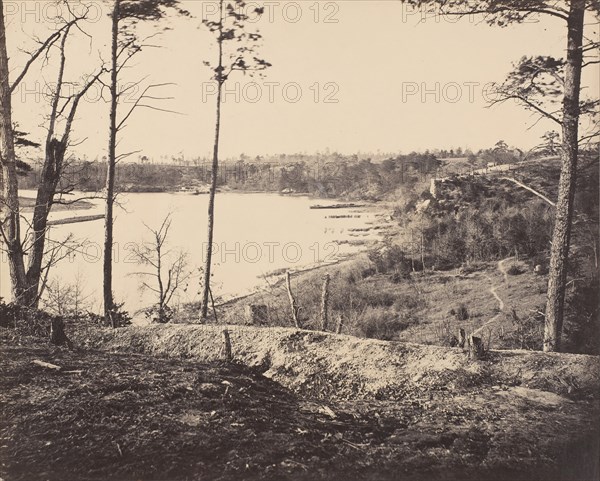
x,y
276,279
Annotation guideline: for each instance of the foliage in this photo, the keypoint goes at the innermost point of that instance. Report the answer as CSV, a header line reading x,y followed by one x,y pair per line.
x,y
582,319
471,222
159,315
24,320
324,176
390,258
527,332
120,317
378,323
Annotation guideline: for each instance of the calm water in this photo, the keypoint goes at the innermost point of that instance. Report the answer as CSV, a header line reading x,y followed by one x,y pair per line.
x,y
255,234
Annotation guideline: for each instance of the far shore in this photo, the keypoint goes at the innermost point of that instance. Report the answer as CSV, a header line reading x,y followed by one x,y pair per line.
x,y
27,204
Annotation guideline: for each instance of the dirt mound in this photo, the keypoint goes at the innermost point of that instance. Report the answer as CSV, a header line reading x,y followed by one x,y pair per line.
x,y
134,416
330,366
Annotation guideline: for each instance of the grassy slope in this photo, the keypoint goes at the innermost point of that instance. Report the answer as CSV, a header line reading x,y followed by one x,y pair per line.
x,y
417,412
421,304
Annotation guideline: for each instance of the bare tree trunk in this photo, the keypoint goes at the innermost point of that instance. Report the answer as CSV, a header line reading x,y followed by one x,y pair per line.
x,y
293,303
11,232
325,303
561,236
213,177
110,176
51,173
214,309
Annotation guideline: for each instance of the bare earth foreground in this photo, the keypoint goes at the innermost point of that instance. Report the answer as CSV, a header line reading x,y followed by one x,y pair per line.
x,y
155,403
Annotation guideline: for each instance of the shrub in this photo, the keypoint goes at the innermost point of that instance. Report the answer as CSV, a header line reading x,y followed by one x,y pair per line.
x,y
527,332
159,316
25,321
120,317
514,270
390,258
368,272
378,323
461,313
582,323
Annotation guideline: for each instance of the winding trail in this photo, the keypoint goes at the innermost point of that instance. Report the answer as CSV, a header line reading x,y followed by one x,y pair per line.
x,y
492,289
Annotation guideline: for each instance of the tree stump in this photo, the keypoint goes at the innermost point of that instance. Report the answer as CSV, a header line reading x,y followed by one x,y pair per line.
x,y
462,338
476,351
226,349
340,324
57,333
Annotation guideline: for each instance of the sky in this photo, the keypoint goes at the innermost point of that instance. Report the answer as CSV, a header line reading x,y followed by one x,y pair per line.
x,y
348,76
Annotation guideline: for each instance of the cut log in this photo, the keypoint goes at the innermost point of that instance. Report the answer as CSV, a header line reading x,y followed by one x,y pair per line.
x,y
46,365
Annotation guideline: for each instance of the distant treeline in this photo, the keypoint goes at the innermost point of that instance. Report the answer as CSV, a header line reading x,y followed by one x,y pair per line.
x,y
331,176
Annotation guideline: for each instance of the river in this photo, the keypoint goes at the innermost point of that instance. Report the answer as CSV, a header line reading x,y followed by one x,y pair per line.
x,y
255,235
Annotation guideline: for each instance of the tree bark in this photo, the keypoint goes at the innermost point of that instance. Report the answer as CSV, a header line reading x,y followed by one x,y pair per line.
x,y
213,177
111,168
561,236
11,230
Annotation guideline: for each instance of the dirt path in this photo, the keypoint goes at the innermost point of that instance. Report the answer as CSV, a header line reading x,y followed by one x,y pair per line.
x,y
502,269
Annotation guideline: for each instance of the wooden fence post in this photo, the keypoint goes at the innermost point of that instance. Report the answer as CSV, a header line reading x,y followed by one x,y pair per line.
x,y
226,349
293,303
325,303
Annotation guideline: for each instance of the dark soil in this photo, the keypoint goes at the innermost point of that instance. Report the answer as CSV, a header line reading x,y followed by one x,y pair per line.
x,y
107,416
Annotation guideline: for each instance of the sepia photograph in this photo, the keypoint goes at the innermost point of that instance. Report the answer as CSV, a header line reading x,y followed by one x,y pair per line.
x,y
310,240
